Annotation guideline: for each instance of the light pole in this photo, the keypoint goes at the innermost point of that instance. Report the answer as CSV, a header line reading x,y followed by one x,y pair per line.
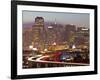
x,y
54,45
33,50
30,48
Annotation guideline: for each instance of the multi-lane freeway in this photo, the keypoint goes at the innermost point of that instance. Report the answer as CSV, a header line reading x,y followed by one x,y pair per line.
x,y
61,58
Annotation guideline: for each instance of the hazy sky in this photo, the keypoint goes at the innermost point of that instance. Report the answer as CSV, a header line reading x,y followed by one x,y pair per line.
x,y
79,19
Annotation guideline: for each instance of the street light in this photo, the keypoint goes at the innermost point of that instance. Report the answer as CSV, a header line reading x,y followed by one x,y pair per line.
x,y
54,43
34,49
54,46
30,47
45,50
73,47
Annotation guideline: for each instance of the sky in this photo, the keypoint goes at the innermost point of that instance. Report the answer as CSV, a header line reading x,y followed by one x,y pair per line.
x,y
78,19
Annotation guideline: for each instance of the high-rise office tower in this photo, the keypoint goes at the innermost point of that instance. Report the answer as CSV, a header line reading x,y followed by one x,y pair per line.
x,y
38,33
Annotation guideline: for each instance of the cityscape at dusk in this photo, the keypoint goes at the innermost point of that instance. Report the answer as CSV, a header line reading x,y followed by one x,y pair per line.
x,y
78,19
55,39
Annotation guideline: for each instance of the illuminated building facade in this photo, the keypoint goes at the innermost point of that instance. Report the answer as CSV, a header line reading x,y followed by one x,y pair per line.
x,y
38,33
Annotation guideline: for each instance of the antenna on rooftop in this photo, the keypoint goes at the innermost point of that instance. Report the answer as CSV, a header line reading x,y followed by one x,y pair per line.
x,y
55,21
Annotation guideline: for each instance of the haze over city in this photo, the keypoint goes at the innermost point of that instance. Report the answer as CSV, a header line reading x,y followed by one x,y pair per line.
x,y
78,19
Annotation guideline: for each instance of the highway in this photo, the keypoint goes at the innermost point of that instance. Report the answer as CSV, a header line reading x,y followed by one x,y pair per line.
x,y
38,60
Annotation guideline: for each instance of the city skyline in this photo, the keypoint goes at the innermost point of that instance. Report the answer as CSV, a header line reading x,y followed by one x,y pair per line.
x,y
78,19
55,47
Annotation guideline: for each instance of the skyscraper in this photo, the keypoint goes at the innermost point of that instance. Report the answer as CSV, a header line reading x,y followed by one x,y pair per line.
x,y
38,33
